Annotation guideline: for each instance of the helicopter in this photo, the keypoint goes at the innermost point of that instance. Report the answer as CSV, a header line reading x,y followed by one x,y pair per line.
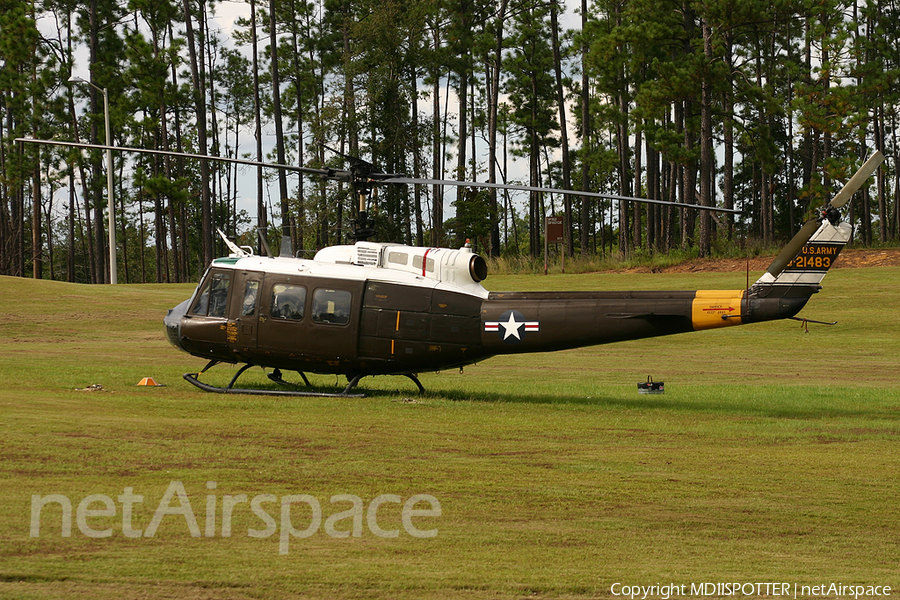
x,y
380,308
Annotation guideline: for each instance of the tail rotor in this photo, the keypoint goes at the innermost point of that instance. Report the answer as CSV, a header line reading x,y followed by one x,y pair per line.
x,y
830,212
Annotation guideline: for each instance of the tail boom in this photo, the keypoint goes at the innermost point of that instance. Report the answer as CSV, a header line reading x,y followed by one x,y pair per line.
x,y
517,322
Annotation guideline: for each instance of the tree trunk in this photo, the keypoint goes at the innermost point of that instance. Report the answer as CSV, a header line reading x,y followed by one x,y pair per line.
x,y
206,225
261,220
279,134
563,127
493,109
585,136
728,151
707,159
100,274
437,202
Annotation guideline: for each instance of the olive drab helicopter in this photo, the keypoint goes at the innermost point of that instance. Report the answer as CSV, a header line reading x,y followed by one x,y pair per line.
x,y
378,308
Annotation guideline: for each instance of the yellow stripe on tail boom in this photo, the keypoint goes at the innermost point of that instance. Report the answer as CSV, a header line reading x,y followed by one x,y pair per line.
x,y
716,308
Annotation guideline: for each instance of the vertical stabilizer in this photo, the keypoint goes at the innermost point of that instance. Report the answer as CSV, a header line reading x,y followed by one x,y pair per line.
x,y
809,265
783,295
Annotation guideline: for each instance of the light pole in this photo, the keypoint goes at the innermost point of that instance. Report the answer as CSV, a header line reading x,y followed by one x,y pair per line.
x,y
111,210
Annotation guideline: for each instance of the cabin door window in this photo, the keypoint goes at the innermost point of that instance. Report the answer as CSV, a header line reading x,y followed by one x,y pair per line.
x,y
288,301
331,306
245,316
251,295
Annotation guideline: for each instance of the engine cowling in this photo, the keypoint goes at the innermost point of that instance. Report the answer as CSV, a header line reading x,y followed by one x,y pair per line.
x,y
457,267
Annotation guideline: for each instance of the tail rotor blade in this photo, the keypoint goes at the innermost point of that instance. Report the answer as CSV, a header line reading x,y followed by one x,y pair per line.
x,y
858,179
788,253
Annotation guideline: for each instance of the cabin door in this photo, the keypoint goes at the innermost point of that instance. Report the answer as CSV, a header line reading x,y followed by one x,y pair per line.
x,y
304,318
245,310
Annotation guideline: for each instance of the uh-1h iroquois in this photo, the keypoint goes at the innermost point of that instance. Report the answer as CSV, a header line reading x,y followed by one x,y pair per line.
x,y
388,309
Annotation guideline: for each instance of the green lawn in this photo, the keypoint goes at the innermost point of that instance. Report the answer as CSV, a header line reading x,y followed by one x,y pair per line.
x,y
772,457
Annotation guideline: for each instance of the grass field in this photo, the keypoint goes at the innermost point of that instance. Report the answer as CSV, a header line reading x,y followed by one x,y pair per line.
x,y
772,457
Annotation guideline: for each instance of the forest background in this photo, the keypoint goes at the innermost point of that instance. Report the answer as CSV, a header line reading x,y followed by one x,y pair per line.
x,y
767,107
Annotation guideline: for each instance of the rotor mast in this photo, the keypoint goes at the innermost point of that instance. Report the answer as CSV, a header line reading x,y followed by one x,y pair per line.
x,y
364,226
362,176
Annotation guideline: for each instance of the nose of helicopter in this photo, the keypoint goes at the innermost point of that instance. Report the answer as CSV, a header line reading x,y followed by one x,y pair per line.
x,y
173,323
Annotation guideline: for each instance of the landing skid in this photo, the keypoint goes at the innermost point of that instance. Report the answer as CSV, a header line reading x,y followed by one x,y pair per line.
x,y
193,379
409,376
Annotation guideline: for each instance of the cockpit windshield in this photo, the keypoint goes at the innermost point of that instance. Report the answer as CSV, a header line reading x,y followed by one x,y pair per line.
x,y
213,298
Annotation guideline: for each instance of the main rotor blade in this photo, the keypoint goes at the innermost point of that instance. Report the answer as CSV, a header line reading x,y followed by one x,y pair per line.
x,y
331,173
857,180
528,188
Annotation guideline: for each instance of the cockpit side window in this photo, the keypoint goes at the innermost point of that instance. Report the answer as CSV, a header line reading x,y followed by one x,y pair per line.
x,y
213,298
288,301
331,306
